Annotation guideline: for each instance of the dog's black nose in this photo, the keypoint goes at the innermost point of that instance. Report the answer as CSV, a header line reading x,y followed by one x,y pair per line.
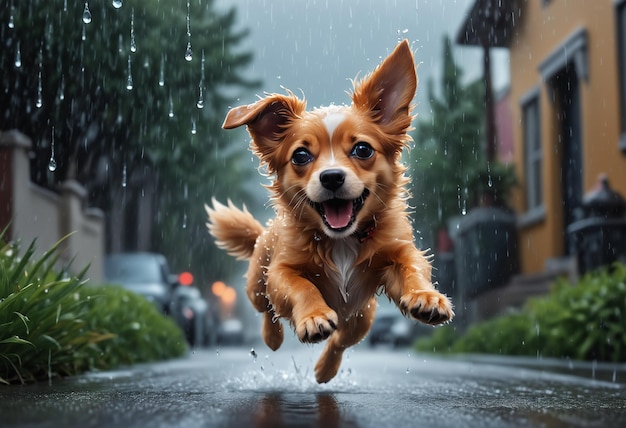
x,y
332,179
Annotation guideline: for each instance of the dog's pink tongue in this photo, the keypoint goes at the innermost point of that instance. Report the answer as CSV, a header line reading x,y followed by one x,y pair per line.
x,y
338,213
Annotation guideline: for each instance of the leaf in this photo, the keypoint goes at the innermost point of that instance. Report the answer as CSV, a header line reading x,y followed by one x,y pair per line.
x,y
16,340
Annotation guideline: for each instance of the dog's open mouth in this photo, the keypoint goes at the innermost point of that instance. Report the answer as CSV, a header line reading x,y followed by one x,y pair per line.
x,y
339,214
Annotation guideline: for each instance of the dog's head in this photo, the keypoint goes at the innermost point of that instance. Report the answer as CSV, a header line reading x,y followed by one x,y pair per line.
x,y
337,167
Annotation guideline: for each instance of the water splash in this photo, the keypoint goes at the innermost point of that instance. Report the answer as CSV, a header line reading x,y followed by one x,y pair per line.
x,y
117,3
52,163
86,14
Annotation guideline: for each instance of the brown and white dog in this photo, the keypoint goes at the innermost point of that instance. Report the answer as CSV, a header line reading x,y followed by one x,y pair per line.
x,y
341,232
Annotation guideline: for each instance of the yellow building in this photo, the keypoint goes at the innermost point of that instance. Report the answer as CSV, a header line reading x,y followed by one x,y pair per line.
x,y
568,103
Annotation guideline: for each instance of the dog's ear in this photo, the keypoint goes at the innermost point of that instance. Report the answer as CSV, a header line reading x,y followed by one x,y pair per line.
x,y
267,120
386,94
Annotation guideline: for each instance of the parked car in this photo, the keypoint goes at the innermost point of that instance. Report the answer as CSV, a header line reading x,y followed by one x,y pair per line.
x,y
230,332
194,315
392,328
147,274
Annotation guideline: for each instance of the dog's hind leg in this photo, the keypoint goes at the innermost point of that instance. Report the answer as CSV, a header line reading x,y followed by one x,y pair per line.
x,y
348,333
272,331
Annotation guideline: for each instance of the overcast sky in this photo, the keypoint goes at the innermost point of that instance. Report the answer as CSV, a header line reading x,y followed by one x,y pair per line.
x,y
315,47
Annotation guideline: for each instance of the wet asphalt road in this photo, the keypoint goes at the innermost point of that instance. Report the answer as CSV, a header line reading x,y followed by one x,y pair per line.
x,y
375,388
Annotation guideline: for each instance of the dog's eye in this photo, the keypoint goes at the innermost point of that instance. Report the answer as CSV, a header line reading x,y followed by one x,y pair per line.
x,y
301,157
362,151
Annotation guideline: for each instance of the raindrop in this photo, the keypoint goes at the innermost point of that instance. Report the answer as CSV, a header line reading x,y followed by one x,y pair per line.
x,y
129,81
62,89
184,220
162,72
39,101
52,163
133,44
188,53
124,175
86,14
171,112
18,56
11,18
194,130
117,3
253,354
200,103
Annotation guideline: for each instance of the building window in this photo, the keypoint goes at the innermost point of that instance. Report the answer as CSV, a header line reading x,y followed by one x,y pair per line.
x,y
621,44
531,123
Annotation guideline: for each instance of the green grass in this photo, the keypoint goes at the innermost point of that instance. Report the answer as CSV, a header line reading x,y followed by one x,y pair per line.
x,y
52,324
582,321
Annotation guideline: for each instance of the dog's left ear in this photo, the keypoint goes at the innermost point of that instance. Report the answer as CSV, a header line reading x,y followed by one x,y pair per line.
x,y
387,93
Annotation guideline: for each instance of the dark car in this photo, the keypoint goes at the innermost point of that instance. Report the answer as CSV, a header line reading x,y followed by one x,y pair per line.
x,y
194,315
392,328
147,274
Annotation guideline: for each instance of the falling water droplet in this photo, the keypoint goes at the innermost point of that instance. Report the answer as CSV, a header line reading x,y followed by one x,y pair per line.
x,y
133,44
194,130
162,72
18,56
253,354
171,112
124,176
62,89
188,52
11,20
39,101
52,163
117,3
200,103
129,81
86,14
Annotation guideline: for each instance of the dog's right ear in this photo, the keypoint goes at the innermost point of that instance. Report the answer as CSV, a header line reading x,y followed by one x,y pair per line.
x,y
267,120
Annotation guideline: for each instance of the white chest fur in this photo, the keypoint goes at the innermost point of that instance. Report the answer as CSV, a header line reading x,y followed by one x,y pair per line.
x,y
344,254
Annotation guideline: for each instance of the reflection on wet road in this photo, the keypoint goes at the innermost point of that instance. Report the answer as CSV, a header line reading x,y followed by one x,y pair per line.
x,y
375,388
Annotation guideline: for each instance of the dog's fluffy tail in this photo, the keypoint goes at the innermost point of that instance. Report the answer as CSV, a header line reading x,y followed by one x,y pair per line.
x,y
235,230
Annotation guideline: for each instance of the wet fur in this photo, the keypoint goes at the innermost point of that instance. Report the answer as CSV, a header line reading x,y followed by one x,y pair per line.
x,y
324,281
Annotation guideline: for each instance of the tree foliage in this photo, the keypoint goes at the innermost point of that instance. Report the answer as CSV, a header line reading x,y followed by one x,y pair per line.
x,y
448,148
115,104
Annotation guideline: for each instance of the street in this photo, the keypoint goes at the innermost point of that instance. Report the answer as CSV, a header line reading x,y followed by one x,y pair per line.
x,y
378,387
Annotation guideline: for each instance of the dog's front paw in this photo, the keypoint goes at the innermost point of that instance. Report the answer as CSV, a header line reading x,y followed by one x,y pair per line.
x,y
317,326
428,306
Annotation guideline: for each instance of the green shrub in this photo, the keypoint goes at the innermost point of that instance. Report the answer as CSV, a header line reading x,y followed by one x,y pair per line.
x,y
584,321
52,325
441,340
139,331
